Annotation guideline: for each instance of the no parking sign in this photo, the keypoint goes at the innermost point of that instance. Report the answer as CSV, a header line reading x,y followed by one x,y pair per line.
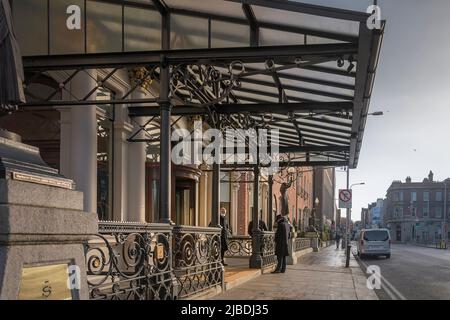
x,y
345,199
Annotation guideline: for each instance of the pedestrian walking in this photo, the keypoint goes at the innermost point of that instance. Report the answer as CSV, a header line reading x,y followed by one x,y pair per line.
x,y
282,236
338,239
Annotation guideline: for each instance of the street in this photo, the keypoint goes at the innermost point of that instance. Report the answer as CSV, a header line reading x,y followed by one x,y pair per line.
x,y
413,273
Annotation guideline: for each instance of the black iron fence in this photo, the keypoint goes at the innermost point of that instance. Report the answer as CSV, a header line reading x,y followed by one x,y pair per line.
x,y
267,242
196,259
239,246
302,244
130,261
141,261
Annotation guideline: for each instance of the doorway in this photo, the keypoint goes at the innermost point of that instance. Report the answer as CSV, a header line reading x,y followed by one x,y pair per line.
x,y
185,202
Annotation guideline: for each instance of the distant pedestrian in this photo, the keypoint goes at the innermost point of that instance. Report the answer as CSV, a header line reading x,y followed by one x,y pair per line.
x,y
282,236
338,239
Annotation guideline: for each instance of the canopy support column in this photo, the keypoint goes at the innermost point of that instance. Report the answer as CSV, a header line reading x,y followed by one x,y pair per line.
x,y
270,203
165,156
256,258
215,206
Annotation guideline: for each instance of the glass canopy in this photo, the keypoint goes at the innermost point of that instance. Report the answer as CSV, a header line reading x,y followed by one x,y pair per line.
x,y
304,69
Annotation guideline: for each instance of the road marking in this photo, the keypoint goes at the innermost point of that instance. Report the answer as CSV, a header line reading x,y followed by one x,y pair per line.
x,y
392,292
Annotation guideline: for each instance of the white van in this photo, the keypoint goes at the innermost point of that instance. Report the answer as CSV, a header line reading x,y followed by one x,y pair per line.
x,y
374,242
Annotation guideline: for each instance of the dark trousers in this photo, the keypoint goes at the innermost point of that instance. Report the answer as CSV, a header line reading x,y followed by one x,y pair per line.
x,y
222,254
281,266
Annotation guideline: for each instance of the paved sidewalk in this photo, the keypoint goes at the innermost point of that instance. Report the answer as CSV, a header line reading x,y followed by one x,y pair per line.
x,y
317,276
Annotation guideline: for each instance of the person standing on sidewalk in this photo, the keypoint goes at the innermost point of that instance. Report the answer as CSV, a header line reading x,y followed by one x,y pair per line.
x,y
282,236
338,239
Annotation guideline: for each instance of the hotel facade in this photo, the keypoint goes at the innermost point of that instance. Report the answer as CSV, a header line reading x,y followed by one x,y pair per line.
x,y
107,82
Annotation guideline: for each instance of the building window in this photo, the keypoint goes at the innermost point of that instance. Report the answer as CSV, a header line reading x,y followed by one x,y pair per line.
x,y
438,195
398,196
426,210
398,213
426,196
413,196
438,212
413,211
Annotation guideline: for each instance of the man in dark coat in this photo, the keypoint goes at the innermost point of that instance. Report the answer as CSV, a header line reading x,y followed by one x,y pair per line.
x,y
224,233
282,236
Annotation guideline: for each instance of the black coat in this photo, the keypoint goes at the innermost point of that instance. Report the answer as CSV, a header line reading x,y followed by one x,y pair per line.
x,y
224,233
281,237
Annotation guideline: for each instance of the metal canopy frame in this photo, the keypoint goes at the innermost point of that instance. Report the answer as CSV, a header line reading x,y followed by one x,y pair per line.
x,y
319,110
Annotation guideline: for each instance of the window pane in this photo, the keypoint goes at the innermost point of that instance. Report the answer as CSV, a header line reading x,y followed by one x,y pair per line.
x,y
142,29
270,37
104,27
188,32
31,26
63,40
225,34
438,211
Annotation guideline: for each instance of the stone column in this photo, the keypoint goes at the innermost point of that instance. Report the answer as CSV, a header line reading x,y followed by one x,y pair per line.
x,y
83,140
120,170
234,200
137,156
242,204
203,200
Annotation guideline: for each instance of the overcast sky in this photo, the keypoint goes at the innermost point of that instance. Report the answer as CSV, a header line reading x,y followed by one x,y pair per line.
x,y
412,87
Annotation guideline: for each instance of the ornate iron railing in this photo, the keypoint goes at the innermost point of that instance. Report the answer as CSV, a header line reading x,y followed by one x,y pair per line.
x,y
302,244
239,246
267,242
196,259
130,261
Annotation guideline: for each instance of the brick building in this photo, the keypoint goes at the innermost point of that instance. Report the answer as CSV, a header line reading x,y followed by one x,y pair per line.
x,y
418,211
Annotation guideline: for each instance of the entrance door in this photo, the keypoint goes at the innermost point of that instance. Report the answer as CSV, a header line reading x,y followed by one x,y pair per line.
x,y
185,203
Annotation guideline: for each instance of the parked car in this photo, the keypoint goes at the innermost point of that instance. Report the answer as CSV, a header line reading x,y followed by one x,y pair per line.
x,y
374,242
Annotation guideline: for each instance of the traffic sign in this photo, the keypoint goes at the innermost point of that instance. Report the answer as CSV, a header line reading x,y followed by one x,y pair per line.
x,y
345,199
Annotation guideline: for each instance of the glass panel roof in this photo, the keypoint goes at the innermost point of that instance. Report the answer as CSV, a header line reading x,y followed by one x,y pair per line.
x,y
230,9
359,5
223,24
226,34
306,21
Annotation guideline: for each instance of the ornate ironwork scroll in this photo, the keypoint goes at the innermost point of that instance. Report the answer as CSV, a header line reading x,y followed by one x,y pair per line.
x,y
239,247
302,244
267,241
205,85
196,259
130,261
